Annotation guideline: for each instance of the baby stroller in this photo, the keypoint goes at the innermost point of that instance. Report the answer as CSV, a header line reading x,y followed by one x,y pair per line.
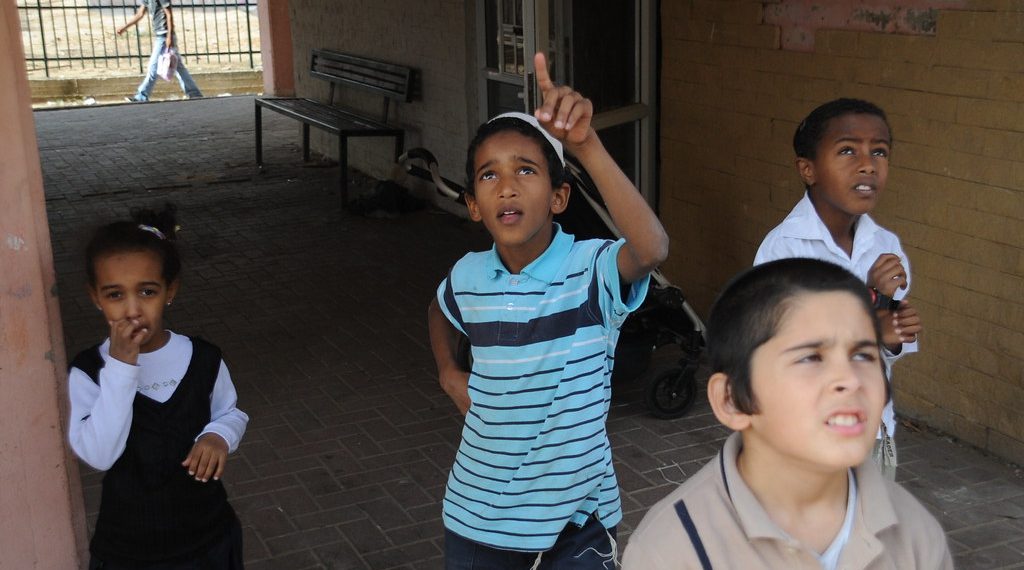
x,y
664,317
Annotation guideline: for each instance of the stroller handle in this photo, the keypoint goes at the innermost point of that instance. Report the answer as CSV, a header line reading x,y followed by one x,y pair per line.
x,y
431,174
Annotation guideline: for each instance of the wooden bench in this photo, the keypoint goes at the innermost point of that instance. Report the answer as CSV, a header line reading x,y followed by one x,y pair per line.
x,y
392,82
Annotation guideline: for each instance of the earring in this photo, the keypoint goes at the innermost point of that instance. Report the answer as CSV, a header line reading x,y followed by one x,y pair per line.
x,y
168,303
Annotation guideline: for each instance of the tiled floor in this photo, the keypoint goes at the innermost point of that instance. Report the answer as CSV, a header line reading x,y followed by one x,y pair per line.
x,y
321,316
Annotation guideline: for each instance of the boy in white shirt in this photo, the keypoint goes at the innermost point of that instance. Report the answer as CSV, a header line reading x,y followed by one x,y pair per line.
x,y
842,150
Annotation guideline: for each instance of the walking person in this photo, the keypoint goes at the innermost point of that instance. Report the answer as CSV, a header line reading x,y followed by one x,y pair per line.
x,y
163,38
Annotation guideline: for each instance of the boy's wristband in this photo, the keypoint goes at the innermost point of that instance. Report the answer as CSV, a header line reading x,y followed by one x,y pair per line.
x,y
882,301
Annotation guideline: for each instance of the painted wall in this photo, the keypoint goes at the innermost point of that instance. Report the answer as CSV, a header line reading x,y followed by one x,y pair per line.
x,y
42,523
428,36
731,99
799,19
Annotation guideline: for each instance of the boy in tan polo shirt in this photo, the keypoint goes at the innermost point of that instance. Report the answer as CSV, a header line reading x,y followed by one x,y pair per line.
x,y
794,350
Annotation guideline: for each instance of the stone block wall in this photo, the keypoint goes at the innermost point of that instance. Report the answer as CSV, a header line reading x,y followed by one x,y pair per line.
x,y
428,36
731,99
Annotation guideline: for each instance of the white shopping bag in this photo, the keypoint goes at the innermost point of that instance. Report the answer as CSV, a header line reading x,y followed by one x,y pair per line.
x,y
167,64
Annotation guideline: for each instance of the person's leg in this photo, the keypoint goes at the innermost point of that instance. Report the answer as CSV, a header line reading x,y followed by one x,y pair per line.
x,y
146,87
188,85
590,547
463,554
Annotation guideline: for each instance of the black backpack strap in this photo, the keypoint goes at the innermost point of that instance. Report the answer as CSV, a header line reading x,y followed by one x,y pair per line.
x,y
691,529
90,362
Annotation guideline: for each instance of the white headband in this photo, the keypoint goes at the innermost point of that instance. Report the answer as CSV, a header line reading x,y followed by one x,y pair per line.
x,y
153,231
535,124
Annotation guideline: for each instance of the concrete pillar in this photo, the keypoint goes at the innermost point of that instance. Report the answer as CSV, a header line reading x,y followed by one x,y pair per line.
x,y
276,48
42,517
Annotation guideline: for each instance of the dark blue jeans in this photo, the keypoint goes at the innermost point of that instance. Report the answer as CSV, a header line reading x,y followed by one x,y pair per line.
x,y
577,548
188,85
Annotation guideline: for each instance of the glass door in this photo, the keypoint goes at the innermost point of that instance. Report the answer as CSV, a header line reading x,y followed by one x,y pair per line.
x,y
508,38
603,48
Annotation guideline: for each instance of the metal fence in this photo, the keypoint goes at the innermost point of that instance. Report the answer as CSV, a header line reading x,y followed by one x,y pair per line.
x,y
77,37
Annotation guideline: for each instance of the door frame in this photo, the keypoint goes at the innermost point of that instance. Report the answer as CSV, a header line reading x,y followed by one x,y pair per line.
x,y
537,24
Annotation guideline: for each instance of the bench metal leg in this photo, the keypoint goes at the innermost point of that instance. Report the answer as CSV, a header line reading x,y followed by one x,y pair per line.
x,y
259,136
305,142
343,168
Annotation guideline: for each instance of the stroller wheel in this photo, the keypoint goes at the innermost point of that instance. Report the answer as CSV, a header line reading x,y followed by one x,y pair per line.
x,y
671,393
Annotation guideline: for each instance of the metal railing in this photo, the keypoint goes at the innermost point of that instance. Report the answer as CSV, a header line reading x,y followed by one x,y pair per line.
x,y
77,37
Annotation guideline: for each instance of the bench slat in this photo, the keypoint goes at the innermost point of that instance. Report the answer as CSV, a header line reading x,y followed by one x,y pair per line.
x,y
393,82
332,119
389,80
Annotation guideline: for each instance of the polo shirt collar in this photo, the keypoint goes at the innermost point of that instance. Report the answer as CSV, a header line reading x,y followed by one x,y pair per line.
x,y
546,267
875,511
803,223
753,518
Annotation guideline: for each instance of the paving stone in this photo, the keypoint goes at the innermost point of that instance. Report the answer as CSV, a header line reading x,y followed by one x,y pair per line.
x,y
252,546
393,459
647,440
304,540
265,484
386,513
365,537
270,522
350,497
400,556
321,315
431,528
997,511
302,560
408,493
341,556
319,482
329,517
989,558
981,537
295,501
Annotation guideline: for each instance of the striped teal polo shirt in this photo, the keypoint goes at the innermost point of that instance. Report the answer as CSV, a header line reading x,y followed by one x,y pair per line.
x,y
534,454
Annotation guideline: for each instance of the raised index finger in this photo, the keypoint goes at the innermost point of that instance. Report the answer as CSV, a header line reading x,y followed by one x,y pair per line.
x,y
540,65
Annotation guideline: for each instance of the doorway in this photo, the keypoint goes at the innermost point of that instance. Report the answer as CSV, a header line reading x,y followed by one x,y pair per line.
x,y
603,48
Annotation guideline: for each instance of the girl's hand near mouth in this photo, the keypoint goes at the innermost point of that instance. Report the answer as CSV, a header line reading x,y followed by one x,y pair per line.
x,y
126,336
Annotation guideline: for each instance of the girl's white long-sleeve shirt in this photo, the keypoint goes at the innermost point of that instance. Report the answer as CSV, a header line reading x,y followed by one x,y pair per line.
x,y
101,415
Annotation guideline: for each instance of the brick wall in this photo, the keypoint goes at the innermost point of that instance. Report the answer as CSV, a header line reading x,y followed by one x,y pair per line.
x,y
731,99
428,36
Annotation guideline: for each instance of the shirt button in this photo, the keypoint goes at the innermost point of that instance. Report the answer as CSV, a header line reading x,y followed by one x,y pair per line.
x,y
513,281
509,306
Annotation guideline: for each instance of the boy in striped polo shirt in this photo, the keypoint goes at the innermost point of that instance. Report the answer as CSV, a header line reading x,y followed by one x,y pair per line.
x,y
533,485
